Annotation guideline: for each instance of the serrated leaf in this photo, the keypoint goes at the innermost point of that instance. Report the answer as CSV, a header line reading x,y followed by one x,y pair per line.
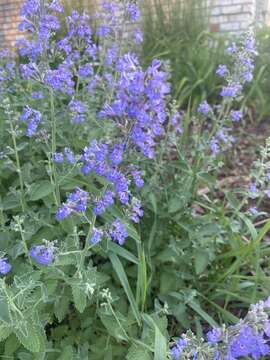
x,y
61,305
67,353
201,260
112,327
136,352
11,345
4,313
11,201
29,337
5,331
40,190
79,298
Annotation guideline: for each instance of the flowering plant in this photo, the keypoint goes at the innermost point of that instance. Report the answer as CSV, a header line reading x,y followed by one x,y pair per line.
x,y
87,133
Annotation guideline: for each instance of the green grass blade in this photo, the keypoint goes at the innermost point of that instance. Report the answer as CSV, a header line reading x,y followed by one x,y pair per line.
x,y
118,267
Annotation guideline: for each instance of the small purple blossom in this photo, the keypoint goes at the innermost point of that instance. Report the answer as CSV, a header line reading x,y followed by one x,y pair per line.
x,y
178,349
138,36
249,343
5,266
236,115
133,11
204,108
44,255
33,118
253,190
117,153
118,232
58,157
214,336
253,210
137,177
231,90
69,155
97,236
86,71
106,201
222,70
214,146
136,211
78,110
76,202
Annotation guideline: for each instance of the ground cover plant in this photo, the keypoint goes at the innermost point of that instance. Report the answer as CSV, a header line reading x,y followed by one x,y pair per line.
x,y
116,232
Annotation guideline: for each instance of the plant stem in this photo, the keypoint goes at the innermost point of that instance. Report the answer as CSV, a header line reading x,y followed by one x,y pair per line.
x,y
18,165
53,149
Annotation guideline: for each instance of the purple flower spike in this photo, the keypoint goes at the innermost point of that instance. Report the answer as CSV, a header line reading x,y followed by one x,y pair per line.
x,y
204,108
214,336
42,254
76,203
96,236
5,266
236,115
119,232
58,158
222,70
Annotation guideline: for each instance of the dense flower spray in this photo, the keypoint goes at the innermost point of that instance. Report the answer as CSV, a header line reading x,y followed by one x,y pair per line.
x,y
236,76
78,68
249,338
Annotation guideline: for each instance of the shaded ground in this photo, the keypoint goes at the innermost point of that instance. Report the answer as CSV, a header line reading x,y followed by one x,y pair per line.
x,y
247,150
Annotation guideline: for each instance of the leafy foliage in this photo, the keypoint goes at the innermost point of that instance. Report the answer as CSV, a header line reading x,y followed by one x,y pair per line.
x,y
84,275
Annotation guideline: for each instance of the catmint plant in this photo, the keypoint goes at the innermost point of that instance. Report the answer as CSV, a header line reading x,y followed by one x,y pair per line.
x,y
249,338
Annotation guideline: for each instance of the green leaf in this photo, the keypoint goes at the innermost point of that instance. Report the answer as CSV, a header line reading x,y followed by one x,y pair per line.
x,y
201,260
67,353
29,336
160,352
61,305
11,345
137,352
175,204
118,250
196,307
79,298
5,331
10,202
118,267
40,190
112,326
4,312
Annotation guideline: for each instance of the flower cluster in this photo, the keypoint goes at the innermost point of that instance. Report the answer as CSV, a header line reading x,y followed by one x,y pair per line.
x,y
76,203
240,73
43,254
248,338
7,69
33,118
243,55
139,105
78,111
5,266
76,65
259,187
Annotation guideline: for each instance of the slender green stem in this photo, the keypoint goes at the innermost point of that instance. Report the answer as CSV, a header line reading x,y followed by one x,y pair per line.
x,y
18,165
24,240
53,149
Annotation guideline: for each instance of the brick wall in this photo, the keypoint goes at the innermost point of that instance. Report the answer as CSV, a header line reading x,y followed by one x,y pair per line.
x,y
224,16
9,20
231,15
